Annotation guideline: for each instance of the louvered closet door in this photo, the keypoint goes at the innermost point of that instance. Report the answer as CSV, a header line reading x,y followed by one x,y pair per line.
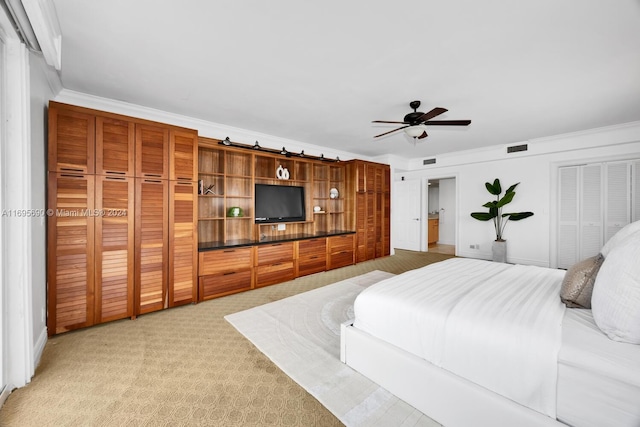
x,y
183,151
591,221
70,252
151,244
114,252
183,242
115,147
152,151
568,217
618,202
361,226
71,140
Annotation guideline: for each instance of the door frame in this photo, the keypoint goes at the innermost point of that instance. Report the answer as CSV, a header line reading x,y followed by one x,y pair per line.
x,y
424,211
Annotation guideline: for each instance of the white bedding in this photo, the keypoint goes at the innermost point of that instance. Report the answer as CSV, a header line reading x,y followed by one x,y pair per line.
x,y
477,319
598,378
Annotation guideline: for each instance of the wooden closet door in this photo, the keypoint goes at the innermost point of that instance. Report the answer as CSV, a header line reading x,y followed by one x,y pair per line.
x,y
152,151
114,253
115,147
70,252
361,227
183,242
183,152
151,229
71,140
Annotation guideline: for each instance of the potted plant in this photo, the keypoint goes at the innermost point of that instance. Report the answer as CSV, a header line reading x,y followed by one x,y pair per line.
x,y
500,219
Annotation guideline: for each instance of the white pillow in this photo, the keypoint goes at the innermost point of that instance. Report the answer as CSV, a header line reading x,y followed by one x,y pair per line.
x,y
622,234
615,302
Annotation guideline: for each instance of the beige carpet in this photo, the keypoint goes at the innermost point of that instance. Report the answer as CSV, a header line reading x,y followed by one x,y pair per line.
x,y
180,367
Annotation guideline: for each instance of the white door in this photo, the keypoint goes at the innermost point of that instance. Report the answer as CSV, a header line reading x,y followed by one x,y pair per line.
x,y
407,202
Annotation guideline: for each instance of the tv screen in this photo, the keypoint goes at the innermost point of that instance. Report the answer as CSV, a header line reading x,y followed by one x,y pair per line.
x,y
279,203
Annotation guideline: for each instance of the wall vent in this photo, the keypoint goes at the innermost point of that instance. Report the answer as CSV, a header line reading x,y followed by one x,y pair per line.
x,y
516,148
429,161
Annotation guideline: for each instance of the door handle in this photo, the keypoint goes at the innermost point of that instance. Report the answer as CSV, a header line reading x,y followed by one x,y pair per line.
x,y
416,219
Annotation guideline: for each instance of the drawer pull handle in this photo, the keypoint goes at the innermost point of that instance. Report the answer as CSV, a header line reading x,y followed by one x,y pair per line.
x,y
277,263
277,244
229,273
229,250
313,257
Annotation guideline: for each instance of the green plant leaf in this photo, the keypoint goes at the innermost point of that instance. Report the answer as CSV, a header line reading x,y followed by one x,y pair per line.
x,y
491,204
510,189
482,216
518,216
494,188
506,199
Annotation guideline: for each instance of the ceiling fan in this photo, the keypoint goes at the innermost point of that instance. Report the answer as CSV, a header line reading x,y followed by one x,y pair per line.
x,y
416,122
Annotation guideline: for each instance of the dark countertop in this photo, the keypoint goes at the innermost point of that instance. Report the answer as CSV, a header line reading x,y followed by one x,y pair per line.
x,y
209,246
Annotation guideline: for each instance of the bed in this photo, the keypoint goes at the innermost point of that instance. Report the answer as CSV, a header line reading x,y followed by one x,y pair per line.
x,y
472,342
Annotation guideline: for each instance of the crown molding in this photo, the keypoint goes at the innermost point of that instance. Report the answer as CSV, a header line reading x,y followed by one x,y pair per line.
x,y
204,128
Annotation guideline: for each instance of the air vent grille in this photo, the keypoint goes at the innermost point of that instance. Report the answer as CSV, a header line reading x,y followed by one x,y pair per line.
x,y
516,148
429,161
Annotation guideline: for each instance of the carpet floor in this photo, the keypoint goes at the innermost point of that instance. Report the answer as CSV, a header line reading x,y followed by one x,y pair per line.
x,y
180,367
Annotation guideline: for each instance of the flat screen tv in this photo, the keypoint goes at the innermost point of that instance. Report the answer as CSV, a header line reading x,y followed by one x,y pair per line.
x,y
279,203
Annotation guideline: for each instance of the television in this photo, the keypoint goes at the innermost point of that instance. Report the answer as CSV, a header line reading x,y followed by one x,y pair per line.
x,y
279,203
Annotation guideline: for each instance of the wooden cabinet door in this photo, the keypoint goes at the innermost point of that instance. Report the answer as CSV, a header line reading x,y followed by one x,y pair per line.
x,y
151,231
183,242
115,147
371,225
70,252
183,153
152,151
114,248
361,227
71,140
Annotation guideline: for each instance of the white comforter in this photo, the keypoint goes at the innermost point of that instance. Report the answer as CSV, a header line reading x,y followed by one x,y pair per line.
x,y
497,325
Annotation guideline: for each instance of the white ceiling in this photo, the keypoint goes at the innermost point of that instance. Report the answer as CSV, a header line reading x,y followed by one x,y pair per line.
x,y
319,72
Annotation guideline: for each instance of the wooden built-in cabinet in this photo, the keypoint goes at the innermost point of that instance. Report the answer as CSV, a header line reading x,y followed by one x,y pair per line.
x,y
123,239
227,178
434,230
371,185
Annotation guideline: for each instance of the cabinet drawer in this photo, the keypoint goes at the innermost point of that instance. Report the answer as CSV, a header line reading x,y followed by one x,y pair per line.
x,y
312,264
341,243
220,284
340,259
276,252
224,261
312,247
274,273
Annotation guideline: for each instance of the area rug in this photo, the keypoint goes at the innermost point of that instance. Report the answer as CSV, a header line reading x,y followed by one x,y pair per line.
x,y
301,335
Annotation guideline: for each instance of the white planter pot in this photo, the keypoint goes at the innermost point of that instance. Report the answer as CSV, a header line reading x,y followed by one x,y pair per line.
x,y
499,250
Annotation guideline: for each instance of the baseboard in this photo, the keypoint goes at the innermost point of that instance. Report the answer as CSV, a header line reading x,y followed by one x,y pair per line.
x,y
6,391
39,347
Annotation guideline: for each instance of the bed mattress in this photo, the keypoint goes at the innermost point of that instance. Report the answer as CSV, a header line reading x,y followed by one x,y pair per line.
x,y
497,325
598,378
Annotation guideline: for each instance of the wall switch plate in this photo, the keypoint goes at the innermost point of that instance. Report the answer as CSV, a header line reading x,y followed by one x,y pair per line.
x,y
282,227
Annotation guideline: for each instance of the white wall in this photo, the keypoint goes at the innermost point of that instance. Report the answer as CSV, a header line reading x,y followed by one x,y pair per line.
x,y
44,85
532,240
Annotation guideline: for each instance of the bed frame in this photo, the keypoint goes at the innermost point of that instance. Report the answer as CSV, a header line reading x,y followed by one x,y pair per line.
x,y
447,398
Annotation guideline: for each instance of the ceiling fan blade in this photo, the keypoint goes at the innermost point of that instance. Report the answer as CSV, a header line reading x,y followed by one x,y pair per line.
x,y
424,135
431,114
386,133
385,121
448,123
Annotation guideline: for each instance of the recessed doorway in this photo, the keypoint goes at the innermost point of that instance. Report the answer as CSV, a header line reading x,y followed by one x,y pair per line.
x,y
441,215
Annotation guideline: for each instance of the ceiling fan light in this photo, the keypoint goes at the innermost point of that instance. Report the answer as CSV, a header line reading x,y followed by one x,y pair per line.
x,y
415,131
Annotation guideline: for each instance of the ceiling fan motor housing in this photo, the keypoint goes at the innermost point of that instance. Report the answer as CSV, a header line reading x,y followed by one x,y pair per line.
x,y
412,118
